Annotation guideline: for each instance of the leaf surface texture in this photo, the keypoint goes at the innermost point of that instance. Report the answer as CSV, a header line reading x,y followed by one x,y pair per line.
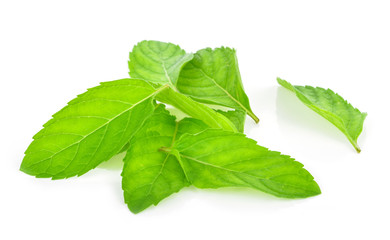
x,y
213,77
237,117
215,158
149,174
157,62
90,129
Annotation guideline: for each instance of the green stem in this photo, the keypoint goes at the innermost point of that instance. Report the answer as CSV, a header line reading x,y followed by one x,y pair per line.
x,y
355,145
195,109
253,116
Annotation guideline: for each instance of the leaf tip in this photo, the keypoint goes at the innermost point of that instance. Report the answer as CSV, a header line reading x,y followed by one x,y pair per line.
x,y
285,84
22,168
280,81
317,189
25,167
135,210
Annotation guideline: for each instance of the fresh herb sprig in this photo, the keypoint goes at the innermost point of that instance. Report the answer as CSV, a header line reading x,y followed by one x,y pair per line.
x,y
163,155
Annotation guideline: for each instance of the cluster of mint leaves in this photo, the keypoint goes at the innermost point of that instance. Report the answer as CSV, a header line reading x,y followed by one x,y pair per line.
x,y
206,149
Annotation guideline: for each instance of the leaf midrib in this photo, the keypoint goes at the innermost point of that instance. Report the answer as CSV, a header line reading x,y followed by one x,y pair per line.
x,y
248,111
166,72
244,173
222,168
165,160
224,90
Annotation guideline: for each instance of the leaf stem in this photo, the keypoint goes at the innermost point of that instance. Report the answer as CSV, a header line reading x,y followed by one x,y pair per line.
x,y
253,116
353,142
356,146
195,109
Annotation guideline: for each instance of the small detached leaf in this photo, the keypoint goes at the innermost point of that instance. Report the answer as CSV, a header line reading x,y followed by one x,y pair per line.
x,y
215,158
150,175
90,129
157,62
213,77
332,107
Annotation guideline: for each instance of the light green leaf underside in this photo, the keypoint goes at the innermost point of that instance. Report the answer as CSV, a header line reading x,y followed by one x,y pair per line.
x,y
237,117
215,158
331,106
90,129
213,77
195,109
157,62
150,175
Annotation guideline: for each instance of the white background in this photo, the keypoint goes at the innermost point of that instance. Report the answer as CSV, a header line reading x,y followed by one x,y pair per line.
x,y
50,51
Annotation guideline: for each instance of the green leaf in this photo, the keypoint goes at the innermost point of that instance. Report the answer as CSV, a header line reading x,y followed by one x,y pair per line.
x,y
90,129
215,158
157,62
195,109
150,175
237,117
213,77
333,107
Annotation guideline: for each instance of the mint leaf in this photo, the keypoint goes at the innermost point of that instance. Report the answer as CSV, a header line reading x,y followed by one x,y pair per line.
x,y
90,129
213,77
237,117
150,175
215,158
332,107
157,62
